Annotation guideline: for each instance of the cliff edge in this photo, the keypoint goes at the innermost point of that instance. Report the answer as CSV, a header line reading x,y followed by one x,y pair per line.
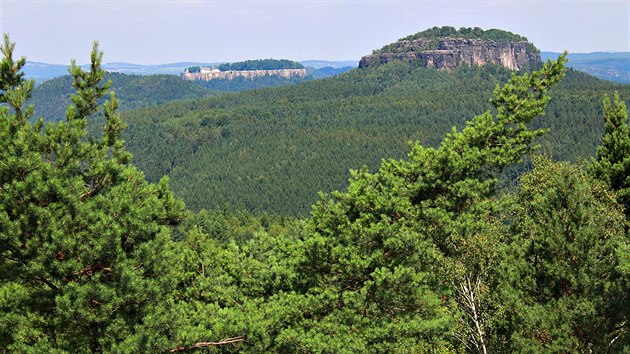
x,y
446,48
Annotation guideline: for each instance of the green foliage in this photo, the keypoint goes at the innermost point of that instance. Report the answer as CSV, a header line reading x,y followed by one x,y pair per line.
x,y
81,231
261,64
563,288
327,71
272,150
428,254
230,276
469,33
387,256
51,98
613,156
11,74
193,69
239,84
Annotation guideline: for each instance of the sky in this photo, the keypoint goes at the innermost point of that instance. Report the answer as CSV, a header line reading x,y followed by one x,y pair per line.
x,y
168,31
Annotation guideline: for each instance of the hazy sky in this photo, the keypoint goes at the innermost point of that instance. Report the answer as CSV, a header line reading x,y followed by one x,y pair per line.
x,y
164,31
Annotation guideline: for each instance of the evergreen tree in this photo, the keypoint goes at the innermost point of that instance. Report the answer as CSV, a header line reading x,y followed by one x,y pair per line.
x,y
564,285
82,234
613,157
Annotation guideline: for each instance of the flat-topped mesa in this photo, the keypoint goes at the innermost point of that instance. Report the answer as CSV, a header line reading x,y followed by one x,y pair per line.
x,y
249,69
207,74
448,53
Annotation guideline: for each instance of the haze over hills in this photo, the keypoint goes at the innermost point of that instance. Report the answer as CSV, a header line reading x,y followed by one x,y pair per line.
x,y
613,66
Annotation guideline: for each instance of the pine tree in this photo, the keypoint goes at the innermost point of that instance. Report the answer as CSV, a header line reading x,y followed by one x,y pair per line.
x,y
564,288
82,234
393,260
613,157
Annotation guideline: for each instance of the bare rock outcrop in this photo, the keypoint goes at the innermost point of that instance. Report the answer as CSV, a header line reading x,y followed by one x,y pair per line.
x,y
454,52
207,74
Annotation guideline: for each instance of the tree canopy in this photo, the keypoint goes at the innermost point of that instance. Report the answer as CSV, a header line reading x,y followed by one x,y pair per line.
x,y
261,64
436,33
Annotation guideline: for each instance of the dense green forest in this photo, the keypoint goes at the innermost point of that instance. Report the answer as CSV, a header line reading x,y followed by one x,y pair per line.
x,y
239,84
273,150
261,64
51,98
134,91
425,254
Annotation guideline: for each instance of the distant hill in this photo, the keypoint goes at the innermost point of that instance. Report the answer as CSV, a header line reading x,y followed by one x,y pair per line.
x,y
53,96
140,69
41,72
327,71
608,66
447,48
319,64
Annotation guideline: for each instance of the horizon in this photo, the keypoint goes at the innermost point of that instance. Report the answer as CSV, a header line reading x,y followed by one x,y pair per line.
x,y
299,61
205,31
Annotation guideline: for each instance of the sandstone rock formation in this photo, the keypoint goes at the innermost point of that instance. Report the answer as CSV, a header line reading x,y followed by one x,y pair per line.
x,y
454,52
206,74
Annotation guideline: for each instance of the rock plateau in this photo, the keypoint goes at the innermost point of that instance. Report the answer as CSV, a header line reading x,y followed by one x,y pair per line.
x,y
454,52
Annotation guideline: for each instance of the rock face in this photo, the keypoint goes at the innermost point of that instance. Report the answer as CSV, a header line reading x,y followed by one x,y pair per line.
x,y
454,52
207,74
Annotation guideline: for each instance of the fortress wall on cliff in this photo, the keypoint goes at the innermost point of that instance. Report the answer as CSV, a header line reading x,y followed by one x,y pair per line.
x,y
248,74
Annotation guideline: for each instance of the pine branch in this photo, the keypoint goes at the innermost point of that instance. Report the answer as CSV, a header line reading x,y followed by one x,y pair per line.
x,y
200,345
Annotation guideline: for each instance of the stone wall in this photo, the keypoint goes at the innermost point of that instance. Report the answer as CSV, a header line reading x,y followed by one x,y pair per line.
x,y
206,75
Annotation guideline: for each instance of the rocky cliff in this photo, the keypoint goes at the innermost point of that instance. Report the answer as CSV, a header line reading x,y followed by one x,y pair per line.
x,y
453,52
209,74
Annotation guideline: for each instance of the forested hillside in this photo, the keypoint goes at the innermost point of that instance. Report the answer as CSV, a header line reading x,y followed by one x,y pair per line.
x,y
273,150
427,254
134,91
53,97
